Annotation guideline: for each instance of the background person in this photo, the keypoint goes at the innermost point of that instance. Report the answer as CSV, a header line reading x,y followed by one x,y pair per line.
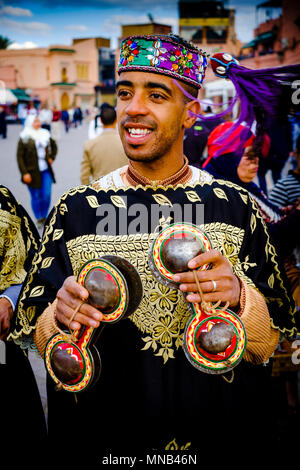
x,y
104,153
45,116
35,154
65,119
95,124
56,124
287,190
3,123
77,116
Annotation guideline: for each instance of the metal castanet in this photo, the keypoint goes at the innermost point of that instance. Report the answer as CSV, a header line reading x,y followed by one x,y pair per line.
x,y
115,288
214,338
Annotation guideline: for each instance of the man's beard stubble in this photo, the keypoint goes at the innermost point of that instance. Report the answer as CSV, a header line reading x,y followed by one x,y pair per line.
x,y
159,148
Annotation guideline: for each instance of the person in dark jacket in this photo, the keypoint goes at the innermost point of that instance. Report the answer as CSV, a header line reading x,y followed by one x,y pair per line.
x,y
35,154
66,119
3,124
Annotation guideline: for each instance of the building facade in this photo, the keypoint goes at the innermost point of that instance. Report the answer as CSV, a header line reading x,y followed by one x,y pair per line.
x,y
62,76
277,40
208,24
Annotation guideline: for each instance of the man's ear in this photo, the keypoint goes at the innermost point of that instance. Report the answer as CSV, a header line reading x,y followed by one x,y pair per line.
x,y
191,108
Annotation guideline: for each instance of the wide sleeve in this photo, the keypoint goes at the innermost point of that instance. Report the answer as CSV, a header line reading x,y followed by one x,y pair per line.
x,y
49,269
19,240
45,328
262,338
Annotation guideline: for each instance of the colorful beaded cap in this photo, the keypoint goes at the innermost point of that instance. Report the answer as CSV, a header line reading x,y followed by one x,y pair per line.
x,y
167,55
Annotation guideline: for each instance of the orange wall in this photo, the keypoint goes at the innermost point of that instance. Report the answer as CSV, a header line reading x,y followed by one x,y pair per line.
x,y
38,68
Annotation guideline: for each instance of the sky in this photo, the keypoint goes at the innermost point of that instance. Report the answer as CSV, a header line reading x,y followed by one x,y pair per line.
x,y
42,23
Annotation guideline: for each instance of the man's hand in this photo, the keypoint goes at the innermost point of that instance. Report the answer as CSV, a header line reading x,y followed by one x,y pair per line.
x,y
226,283
6,313
69,297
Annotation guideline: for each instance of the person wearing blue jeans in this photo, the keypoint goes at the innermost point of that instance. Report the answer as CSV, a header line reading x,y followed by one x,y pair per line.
x,y
41,197
35,154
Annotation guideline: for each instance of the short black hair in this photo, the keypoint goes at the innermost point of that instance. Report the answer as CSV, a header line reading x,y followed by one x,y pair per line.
x,y
108,115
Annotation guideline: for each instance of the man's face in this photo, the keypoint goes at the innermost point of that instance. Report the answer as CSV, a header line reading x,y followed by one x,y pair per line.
x,y
150,113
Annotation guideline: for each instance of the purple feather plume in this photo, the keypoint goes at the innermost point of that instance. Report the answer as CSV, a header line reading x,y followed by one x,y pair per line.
x,y
260,92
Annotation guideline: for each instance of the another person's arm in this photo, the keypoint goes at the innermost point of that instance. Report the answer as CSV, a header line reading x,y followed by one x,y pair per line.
x,y
8,300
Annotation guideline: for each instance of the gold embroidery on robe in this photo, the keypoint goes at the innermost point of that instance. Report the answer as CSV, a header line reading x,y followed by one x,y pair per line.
x,y
13,249
174,446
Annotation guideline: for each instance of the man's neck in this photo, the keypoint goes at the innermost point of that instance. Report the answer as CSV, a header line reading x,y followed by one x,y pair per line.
x,y
182,176
159,169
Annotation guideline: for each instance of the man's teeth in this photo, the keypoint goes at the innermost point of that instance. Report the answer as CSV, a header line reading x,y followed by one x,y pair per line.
x,y
137,132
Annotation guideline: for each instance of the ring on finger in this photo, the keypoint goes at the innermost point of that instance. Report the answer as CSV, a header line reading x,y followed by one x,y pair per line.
x,y
214,285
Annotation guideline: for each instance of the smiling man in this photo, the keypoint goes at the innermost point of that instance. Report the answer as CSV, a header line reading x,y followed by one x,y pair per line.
x,y
149,397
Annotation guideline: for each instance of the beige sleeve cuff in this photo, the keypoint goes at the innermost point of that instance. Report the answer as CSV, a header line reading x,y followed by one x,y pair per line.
x,y
45,328
262,339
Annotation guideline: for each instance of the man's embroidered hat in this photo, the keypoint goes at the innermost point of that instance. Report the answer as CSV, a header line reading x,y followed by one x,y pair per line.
x,y
165,54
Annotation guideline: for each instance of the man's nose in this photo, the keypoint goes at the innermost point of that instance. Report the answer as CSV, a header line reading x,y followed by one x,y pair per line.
x,y
136,106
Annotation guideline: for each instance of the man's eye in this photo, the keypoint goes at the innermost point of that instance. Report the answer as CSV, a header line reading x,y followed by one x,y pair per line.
x,y
123,93
157,96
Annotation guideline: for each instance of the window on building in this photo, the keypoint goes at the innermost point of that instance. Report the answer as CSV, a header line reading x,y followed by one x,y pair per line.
x,y
82,71
216,34
47,73
64,75
198,36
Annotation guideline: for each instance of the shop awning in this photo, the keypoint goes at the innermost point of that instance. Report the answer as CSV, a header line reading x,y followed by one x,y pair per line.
x,y
7,97
260,39
20,94
265,36
249,44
